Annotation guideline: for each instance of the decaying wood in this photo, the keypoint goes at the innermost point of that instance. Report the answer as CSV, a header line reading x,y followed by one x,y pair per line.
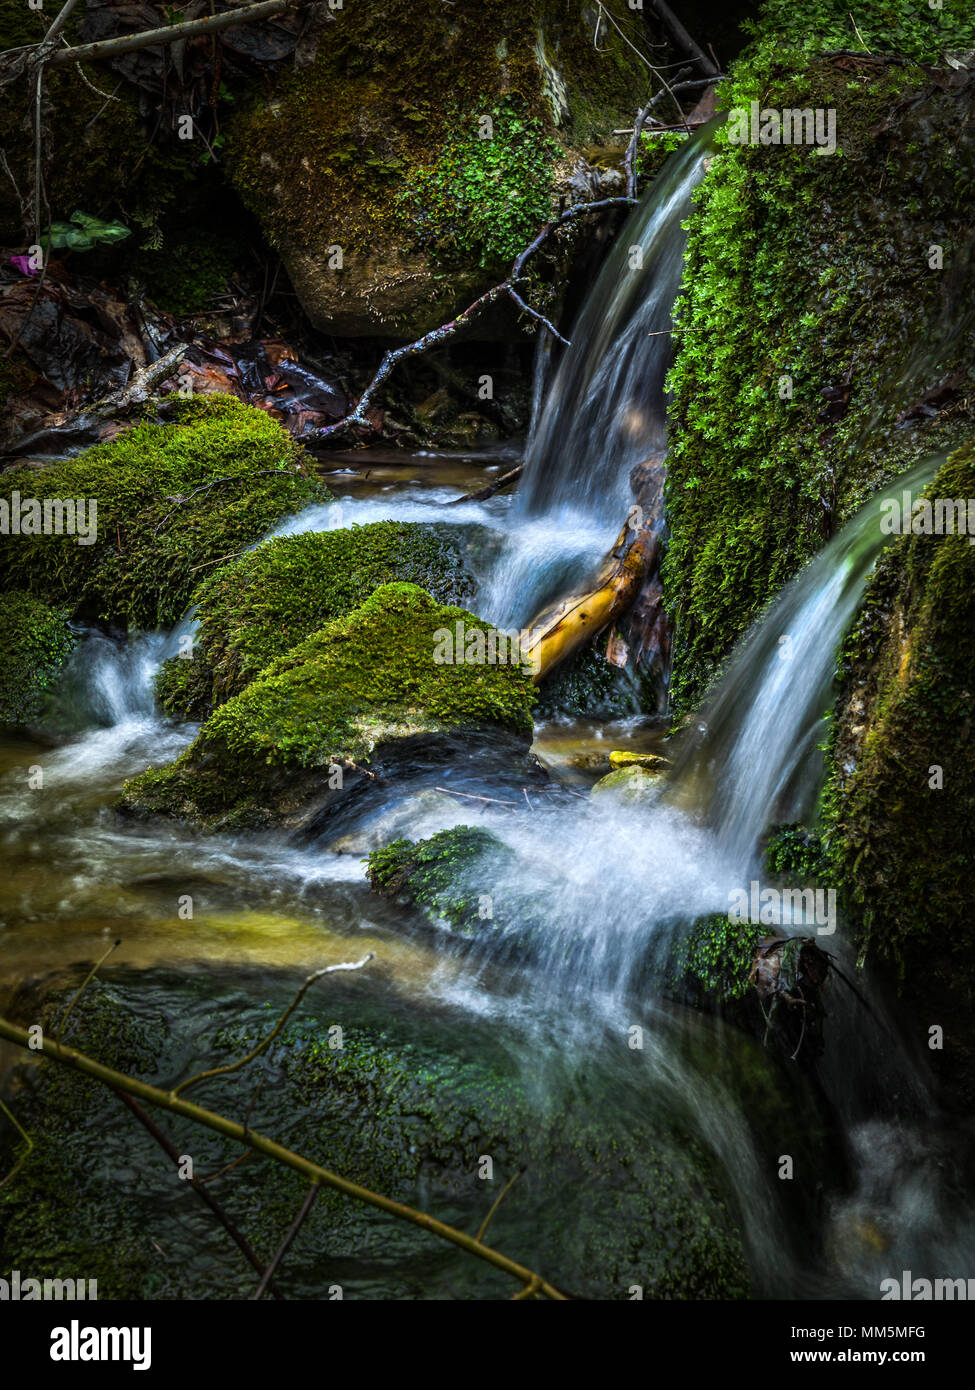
x,y
574,621
483,493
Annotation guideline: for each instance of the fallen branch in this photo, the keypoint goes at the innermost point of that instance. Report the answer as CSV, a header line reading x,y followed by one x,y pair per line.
x,y
314,1172
198,1186
173,33
683,39
268,1275
263,1046
482,494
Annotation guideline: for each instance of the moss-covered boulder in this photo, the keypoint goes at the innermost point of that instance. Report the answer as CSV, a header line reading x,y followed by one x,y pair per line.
x,y
366,689
35,642
161,503
900,807
635,785
397,188
258,607
822,347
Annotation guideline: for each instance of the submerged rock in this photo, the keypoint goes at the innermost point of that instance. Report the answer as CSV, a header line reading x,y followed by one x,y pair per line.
x,y
361,699
256,608
614,1192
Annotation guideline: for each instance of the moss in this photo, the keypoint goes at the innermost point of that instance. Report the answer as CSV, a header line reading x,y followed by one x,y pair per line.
x,y
709,966
150,547
256,608
448,876
809,273
364,681
482,199
900,842
36,642
914,31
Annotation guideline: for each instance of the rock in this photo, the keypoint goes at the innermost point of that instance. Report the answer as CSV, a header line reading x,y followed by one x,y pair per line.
x,y
632,784
35,642
255,608
155,520
370,171
360,700
651,762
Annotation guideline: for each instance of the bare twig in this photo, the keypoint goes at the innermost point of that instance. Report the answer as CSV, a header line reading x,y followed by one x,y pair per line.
x,y
84,985
285,1245
497,1202
469,796
482,494
27,1140
436,336
241,1241
263,1046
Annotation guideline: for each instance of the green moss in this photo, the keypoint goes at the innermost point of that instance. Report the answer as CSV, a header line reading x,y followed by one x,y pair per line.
x,y
34,646
447,876
256,608
150,546
809,272
363,681
482,199
914,31
710,965
900,842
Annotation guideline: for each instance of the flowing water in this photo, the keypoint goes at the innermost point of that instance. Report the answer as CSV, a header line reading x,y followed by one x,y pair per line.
x,y
617,884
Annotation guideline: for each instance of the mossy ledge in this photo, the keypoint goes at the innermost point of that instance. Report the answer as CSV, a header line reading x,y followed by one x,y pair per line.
x,y
899,807
364,689
35,644
171,501
256,608
814,333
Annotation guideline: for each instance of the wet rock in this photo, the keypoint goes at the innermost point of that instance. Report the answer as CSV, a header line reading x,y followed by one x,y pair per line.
x,y
361,700
630,784
650,762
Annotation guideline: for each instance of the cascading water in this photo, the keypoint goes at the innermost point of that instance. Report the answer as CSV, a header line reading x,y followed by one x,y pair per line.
x,y
762,724
605,409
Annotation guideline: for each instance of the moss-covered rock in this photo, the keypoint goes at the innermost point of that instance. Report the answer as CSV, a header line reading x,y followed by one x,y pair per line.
x,y
35,642
638,785
258,607
900,806
376,151
366,688
170,500
820,352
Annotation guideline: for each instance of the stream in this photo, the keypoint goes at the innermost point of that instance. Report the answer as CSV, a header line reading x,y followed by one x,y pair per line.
x,y
875,1190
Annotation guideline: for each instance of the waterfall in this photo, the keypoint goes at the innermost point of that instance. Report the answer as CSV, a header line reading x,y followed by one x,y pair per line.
x,y
605,409
756,751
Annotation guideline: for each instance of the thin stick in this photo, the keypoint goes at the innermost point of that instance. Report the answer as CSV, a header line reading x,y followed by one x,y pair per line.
x,y
285,1245
263,1046
27,1140
153,1095
241,1242
469,796
85,983
497,1202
